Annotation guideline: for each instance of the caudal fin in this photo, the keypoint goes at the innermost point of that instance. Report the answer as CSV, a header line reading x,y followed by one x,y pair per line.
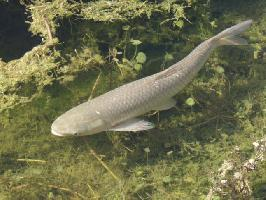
x,y
230,35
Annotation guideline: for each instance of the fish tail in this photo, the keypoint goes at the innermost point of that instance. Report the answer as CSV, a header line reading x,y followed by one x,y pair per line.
x,y
230,35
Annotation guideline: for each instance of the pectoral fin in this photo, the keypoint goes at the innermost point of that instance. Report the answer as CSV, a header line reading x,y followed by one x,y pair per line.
x,y
165,105
134,125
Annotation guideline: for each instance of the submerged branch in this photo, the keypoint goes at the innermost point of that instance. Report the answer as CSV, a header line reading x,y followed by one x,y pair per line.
x,y
65,190
31,160
105,166
50,37
95,85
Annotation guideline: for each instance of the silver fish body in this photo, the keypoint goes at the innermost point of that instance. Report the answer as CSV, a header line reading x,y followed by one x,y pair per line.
x,y
117,109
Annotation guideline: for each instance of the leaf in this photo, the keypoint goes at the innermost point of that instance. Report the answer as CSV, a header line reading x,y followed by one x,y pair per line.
x,y
138,187
50,195
216,197
168,57
98,58
124,60
115,60
147,149
220,69
213,24
256,54
135,42
190,101
257,51
138,67
139,173
126,28
179,23
167,179
189,179
141,58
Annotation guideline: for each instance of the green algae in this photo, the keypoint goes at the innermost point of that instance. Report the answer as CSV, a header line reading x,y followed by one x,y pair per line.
x,y
179,158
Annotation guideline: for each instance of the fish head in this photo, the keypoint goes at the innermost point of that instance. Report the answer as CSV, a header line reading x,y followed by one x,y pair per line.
x,y
79,121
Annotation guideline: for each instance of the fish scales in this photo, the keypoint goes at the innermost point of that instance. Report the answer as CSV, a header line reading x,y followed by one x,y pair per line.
x,y
117,109
145,96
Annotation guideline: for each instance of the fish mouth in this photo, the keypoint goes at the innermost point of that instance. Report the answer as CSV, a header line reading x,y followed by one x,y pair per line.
x,y
56,133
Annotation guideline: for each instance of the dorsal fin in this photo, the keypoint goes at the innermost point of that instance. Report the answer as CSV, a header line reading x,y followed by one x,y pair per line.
x,y
170,71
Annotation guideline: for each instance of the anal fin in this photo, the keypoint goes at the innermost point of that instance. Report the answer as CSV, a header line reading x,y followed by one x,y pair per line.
x,y
134,125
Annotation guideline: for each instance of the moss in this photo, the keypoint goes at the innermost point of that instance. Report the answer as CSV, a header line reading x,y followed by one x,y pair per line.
x,y
45,16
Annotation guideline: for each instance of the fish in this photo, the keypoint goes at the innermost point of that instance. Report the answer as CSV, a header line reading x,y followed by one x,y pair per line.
x,y
120,109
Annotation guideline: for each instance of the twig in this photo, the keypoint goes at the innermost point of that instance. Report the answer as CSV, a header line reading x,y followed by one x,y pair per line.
x,y
205,122
50,37
95,196
153,113
127,148
54,187
20,186
104,165
64,189
95,84
31,160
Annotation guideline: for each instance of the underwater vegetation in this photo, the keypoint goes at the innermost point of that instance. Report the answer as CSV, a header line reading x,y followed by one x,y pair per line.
x,y
61,53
